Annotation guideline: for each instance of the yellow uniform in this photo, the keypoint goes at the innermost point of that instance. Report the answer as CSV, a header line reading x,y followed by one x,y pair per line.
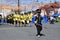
x,y
24,17
0,17
30,17
21,18
27,18
9,17
18,17
15,17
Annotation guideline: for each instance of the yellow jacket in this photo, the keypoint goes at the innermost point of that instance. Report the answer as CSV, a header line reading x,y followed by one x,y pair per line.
x,y
16,17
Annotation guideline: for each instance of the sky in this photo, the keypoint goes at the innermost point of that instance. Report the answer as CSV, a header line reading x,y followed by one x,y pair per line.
x,y
23,2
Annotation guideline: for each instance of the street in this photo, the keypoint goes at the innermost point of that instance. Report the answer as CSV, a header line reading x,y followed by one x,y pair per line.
x,y
9,32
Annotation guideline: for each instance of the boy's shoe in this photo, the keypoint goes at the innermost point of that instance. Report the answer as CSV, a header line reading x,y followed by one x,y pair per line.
x,y
42,35
38,36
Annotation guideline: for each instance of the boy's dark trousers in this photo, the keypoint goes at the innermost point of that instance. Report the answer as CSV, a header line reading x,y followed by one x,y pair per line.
x,y
39,29
0,20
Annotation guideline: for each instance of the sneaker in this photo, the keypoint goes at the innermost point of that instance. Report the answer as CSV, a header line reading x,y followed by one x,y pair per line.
x,y
42,35
38,36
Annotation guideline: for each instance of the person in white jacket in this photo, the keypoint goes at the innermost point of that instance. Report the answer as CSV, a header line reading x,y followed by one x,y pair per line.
x,y
51,17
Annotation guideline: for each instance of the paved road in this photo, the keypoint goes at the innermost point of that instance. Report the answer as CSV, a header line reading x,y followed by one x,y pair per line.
x,y
9,32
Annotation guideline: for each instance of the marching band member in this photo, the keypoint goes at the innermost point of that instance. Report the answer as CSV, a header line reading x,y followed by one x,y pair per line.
x,y
15,19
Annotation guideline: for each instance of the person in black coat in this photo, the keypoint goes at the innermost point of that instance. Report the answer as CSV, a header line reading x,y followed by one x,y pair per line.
x,y
38,23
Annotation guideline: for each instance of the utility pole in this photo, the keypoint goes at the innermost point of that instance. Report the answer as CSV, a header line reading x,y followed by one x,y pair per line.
x,y
37,1
1,5
55,1
18,6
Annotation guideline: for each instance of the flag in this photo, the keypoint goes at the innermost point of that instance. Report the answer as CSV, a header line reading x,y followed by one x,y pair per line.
x,y
45,20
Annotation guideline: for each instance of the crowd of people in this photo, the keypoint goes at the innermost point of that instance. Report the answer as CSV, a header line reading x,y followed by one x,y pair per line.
x,y
16,18
26,18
